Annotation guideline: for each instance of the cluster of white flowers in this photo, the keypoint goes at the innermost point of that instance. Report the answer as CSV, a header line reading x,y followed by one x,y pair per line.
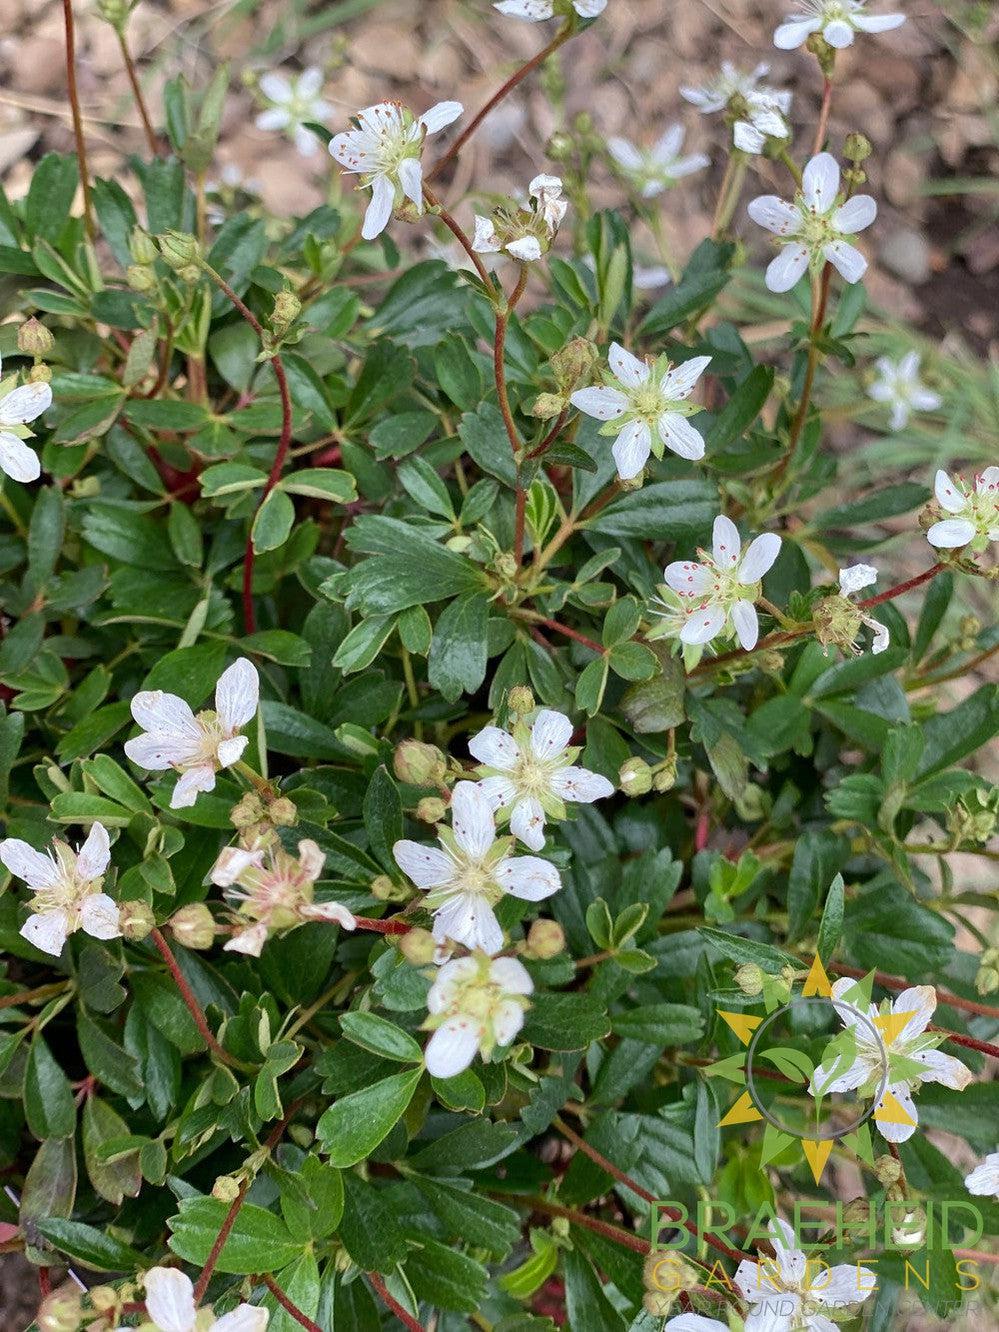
x,y
18,407
292,100
171,1307
974,511
526,233
837,20
757,111
650,171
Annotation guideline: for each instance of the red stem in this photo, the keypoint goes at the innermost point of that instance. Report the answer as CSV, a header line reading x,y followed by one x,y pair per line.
x,y
458,233
193,1007
900,588
572,633
288,1305
551,437
820,130
983,1047
900,983
74,102
390,926
140,100
392,1304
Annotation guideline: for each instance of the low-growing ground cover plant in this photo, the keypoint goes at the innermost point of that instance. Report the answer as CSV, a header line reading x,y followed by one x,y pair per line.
x,y
448,717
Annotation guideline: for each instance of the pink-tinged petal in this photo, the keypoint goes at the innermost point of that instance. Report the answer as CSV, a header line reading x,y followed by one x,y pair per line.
x,y
527,822
528,877
499,791
625,154
170,1299
472,819
944,1068
468,919
17,460
846,259
229,752
603,403
333,913
237,694
687,578
759,558
427,866
250,941
37,870
525,248
189,786
856,214
678,383
948,496
680,437
627,368
787,268
25,403
550,733
782,218
899,1132
703,625
951,534
379,210
495,748
511,975
47,930
156,711
747,624
631,449
159,751
94,855
453,1046
921,1002
820,182
580,786
444,113
725,542
855,577
795,33
838,34
877,22
99,916
244,1318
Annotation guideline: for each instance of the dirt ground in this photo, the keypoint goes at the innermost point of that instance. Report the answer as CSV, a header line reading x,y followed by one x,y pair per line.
x,y
925,95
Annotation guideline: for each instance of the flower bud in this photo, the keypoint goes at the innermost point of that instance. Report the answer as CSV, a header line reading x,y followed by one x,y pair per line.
x,y
658,1302
664,776
545,939
189,273
104,1298
39,374
987,980
34,339
576,359
135,919
248,813
547,405
418,947
887,1170
506,564
419,764
140,277
142,246
520,700
431,809
559,147
283,813
857,148
287,308
635,777
225,1189
114,12
193,926
60,1311
749,978
179,249
385,890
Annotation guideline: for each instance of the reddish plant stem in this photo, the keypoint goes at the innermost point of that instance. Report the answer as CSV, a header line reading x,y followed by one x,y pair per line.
x,y
193,1007
499,373
288,1305
820,129
900,588
458,233
393,1304
900,983
137,93
969,1042
572,633
819,303
44,1282
605,1228
390,926
498,97
551,437
74,103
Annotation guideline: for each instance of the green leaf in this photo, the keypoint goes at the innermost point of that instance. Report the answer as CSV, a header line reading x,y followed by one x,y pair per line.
x,y
471,1218
831,925
113,1180
886,503
308,391
326,483
46,533
49,1190
738,950
92,1248
662,1025
273,522
48,1097
664,511
50,195
741,410
381,1037
818,856
457,374
258,1242
794,1064
457,662
354,1125
692,293
417,572
383,817
565,1021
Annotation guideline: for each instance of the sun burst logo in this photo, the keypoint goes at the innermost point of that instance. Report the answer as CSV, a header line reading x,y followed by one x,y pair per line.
x,y
801,1043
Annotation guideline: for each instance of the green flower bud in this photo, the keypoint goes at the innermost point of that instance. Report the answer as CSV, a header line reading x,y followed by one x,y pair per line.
x,y
574,362
635,777
189,273
140,277
225,1189
431,809
547,405
857,1213
104,1298
664,776
34,339
987,980
193,926
545,940
749,978
418,947
419,764
135,920
283,813
114,12
888,1170
142,246
61,1311
857,148
248,813
287,308
179,249
39,374
385,890
520,700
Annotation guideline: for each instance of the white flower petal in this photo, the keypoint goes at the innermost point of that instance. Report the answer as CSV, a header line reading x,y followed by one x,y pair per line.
x,y
882,636
250,941
856,214
156,711
631,449
678,382
527,822
703,625
899,1132
705,99
820,182
528,877
747,624
485,240
790,1259
850,1080
842,1285
846,259
983,1181
924,399
244,1318
625,154
411,180
189,785
99,916
943,1068
603,403
668,145
427,866
988,481
948,496
580,786
229,752
274,118
499,791
511,975
532,10
333,913
767,210
25,403
47,930
275,87
951,533
687,578
379,210
691,1322
877,22
680,437
589,9
725,542
747,138
507,1021
308,83
170,1299
525,248
759,558
921,1002
158,751
453,1046
795,33
550,733
855,577
444,113
627,368
467,918
838,34
237,694
495,748
787,267
94,855
472,819
37,870
17,459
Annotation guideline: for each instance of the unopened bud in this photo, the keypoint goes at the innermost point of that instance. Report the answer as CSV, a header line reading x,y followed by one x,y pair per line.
x,y
431,809
385,890
857,1213
506,564
418,947
635,777
283,813
135,920
248,813
34,339
664,777
559,147
547,405
857,148
576,359
520,700
114,12
225,1189
287,308
39,374
887,1170
749,978
61,1311
193,926
419,764
142,246
987,980
545,939
912,1230
140,277
658,1303
189,273
104,1298
179,249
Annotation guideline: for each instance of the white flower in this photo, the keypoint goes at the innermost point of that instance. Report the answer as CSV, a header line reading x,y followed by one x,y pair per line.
x,y
976,512
475,1003
691,1322
67,889
790,1280
537,10
837,20
293,101
17,408
195,746
275,891
472,871
648,409
913,1057
529,774
898,384
720,591
652,170
983,1181
171,1308
853,579
526,233
648,278
812,229
384,147
757,112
